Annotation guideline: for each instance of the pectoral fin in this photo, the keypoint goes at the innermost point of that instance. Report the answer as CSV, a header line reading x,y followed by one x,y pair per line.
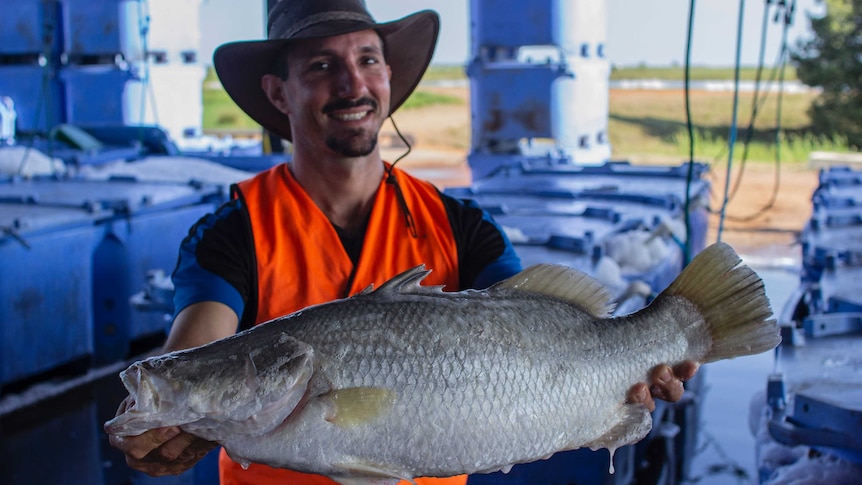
x,y
365,473
365,481
358,405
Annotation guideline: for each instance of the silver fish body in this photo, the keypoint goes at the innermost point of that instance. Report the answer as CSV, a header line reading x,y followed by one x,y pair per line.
x,y
408,381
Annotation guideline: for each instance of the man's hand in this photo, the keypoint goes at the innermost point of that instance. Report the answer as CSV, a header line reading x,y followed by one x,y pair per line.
x,y
161,451
664,383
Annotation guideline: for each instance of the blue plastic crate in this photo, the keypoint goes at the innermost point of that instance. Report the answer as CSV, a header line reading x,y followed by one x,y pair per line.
x,y
140,229
101,94
29,29
120,26
46,282
37,94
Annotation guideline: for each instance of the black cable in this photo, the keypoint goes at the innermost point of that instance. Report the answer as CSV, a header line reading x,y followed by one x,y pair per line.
x,y
749,132
733,127
687,252
785,51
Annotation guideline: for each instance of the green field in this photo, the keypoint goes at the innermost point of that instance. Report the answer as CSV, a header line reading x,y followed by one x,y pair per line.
x,y
643,124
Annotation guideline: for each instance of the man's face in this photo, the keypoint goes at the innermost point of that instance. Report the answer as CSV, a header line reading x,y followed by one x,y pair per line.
x,y
337,92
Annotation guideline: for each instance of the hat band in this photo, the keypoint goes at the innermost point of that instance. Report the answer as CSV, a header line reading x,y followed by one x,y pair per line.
x,y
319,18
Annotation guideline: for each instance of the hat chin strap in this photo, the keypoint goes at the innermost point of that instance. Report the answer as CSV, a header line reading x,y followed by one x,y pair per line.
x,y
392,180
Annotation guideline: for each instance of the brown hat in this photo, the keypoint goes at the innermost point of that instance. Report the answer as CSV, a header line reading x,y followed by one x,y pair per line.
x,y
409,43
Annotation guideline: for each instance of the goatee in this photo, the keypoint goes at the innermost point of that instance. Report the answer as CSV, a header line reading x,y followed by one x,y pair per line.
x,y
354,144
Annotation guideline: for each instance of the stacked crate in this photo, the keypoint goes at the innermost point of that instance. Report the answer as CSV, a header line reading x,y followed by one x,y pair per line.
x,y
30,40
133,62
103,62
539,78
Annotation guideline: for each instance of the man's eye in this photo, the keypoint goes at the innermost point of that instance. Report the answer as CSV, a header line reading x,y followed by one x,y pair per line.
x,y
319,66
370,60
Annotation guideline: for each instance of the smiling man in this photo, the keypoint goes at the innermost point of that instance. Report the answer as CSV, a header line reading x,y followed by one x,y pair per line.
x,y
333,220
339,88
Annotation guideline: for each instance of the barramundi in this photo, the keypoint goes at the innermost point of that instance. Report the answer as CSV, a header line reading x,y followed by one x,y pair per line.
x,y
406,380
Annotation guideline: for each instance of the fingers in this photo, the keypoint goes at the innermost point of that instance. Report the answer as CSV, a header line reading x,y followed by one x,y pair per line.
x,y
640,393
174,453
667,383
160,451
174,457
686,370
142,445
184,447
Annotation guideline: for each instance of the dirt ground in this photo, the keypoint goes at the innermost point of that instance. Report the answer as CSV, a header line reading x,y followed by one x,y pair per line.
x,y
441,142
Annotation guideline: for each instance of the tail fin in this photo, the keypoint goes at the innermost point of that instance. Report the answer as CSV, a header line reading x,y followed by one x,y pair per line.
x,y
732,300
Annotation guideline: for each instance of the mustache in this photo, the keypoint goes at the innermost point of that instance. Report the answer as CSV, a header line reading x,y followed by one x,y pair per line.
x,y
340,104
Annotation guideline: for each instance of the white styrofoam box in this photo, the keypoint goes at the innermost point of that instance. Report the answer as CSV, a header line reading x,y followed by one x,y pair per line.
x,y
174,29
171,97
586,26
579,110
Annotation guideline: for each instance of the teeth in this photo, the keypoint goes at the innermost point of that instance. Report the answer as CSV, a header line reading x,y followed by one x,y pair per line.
x,y
351,116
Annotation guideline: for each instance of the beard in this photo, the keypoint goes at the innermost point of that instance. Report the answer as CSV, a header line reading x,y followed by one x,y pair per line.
x,y
356,143
353,143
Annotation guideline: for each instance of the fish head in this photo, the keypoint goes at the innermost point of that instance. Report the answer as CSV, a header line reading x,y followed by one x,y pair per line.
x,y
154,401
175,390
204,389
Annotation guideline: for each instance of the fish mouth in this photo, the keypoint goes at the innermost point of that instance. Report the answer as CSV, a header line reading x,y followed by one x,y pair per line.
x,y
150,396
150,392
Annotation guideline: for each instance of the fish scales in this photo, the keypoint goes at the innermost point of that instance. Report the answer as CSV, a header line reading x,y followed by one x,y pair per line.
x,y
409,381
506,380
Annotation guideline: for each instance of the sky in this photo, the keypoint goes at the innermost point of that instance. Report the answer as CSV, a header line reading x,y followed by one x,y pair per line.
x,y
651,32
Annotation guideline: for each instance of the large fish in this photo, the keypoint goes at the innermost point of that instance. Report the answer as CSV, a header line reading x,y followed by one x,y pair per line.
x,y
407,381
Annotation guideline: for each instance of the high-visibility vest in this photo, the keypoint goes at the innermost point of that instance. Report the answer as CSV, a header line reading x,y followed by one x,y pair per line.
x,y
301,262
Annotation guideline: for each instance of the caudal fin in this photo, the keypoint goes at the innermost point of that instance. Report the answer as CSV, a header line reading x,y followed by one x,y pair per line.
x,y
732,300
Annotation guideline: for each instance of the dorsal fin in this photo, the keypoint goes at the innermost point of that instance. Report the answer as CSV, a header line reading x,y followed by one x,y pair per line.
x,y
408,282
565,283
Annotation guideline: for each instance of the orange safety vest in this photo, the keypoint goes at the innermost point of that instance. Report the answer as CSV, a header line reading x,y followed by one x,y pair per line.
x,y
301,262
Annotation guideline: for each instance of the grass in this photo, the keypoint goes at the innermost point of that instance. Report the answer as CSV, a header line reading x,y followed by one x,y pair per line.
x,y
653,123
222,114
642,124
422,98
697,73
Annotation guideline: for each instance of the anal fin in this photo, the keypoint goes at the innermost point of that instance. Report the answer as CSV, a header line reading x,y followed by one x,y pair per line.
x,y
634,423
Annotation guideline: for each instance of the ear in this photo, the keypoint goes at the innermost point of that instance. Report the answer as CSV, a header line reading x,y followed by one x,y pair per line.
x,y
273,86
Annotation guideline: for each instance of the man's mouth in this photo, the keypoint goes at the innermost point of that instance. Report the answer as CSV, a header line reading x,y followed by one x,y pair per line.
x,y
350,116
345,110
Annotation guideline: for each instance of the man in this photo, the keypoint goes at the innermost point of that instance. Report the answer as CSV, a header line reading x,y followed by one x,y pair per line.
x,y
335,219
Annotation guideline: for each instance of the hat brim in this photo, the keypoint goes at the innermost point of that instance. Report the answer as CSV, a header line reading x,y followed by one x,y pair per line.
x,y
410,44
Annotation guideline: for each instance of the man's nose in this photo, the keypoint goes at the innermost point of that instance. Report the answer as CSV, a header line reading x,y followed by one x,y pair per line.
x,y
351,84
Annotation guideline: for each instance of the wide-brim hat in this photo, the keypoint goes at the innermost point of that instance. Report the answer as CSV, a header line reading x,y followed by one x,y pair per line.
x,y
409,44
